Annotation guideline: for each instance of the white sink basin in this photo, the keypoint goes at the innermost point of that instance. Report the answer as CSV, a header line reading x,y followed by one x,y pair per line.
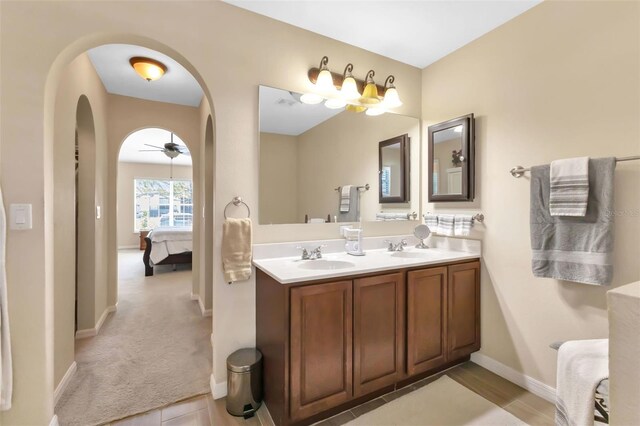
x,y
326,265
423,254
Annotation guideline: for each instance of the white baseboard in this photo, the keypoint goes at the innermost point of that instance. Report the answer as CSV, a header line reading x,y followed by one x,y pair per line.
x,y
90,332
529,383
218,390
129,247
64,382
194,296
54,421
264,415
203,311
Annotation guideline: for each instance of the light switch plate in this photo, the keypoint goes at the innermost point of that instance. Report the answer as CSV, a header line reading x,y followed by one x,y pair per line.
x,y
20,217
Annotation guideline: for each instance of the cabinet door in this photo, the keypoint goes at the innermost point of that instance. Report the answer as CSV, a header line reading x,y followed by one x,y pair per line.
x,y
377,332
321,347
426,307
463,316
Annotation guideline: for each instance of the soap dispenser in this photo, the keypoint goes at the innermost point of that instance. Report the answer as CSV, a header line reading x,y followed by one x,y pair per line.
x,y
353,245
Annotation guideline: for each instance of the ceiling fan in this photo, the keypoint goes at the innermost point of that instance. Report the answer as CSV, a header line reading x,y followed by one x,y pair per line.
x,y
170,149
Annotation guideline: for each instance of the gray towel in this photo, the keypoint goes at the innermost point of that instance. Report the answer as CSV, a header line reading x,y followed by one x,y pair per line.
x,y
462,225
576,249
431,220
353,213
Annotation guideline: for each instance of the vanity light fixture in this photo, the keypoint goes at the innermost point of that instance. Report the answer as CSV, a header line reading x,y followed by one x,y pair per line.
x,y
148,68
311,99
370,92
324,83
355,108
349,90
335,103
391,98
372,112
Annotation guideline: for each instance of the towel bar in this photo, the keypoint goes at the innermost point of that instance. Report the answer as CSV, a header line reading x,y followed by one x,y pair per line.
x,y
519,171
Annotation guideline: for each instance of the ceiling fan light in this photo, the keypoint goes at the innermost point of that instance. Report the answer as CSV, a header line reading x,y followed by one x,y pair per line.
x,y
171,154
391,98
311,99
148,68
335,103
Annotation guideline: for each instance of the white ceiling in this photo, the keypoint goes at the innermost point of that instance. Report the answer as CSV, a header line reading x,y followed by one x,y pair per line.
x,y
281,112
177,86
130,150
415,32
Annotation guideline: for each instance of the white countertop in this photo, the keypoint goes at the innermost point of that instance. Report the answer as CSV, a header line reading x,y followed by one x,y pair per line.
x,y
287,270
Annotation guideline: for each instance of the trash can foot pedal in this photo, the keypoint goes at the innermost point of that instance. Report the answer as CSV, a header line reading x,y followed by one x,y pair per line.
x,y
248,411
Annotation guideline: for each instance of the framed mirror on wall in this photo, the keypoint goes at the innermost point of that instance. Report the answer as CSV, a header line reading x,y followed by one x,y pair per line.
x,y
394,170
451,160
320,164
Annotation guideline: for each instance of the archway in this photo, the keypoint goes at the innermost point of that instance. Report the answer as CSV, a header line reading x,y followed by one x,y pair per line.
x,y
104,203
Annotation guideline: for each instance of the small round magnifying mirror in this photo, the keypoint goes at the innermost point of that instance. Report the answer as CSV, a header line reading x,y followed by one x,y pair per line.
x,y
421,232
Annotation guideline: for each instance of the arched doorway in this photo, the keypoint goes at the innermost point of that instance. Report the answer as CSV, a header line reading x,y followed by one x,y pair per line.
x,y
103,214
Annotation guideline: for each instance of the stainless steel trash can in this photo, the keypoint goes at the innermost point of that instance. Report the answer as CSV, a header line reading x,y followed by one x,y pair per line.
x,y
244,382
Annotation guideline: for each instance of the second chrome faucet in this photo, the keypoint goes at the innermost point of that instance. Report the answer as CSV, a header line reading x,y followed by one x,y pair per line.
x,y
396,247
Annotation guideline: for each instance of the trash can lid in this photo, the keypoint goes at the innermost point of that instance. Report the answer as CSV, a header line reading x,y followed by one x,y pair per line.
x,y
244,360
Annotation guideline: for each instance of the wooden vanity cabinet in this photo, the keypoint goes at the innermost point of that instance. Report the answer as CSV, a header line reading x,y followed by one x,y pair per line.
x,y
328,346
321,345
378,332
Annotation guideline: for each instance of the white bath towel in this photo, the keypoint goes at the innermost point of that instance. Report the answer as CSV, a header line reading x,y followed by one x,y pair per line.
x,y
345,198
462,225
569,187
445,224
431,220
582,364
6,372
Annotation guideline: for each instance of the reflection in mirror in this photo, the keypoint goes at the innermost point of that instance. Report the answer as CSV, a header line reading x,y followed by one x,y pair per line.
x,y
394,161
316,162
451,160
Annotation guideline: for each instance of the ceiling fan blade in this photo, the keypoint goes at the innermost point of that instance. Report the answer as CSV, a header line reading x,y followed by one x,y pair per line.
x,y
187,153
154,146
151,150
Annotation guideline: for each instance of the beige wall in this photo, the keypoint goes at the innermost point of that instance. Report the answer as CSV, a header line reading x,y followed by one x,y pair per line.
x,y
207,191
89,119
561,80
127,172
279,179
223,56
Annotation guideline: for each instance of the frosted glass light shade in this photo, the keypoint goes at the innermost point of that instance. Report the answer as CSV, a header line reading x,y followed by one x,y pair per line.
x,y
372,112
355,108
370,95
311,99
335,103
324,83
349,89
147,68
391,98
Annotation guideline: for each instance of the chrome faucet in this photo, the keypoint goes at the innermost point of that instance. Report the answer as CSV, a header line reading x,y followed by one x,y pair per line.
x,y
313,254
396,247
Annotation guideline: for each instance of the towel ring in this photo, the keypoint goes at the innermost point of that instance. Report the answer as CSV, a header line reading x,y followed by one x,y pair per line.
x,y
236,202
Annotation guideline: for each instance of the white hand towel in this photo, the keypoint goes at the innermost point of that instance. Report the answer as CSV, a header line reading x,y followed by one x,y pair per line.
x,y
445,224
569,187
582,364
345,198
236,249
6,371
463,224
431,220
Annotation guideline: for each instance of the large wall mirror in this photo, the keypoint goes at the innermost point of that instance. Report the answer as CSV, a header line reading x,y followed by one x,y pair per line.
x,y
323,165
451,160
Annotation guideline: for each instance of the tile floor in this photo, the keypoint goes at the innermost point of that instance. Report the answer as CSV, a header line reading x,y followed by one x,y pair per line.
x,y
204,411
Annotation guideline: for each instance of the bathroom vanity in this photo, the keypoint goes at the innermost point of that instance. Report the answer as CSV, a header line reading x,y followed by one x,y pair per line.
x,y
338,331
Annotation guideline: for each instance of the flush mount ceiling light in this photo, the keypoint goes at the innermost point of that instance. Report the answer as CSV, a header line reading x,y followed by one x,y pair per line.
x,y
370,93
391,97
148,68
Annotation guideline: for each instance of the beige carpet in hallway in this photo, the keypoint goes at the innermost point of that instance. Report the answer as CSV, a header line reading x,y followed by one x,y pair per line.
x,y
153,351
443,402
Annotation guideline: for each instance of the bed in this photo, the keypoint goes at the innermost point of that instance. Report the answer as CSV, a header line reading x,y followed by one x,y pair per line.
x,y
167,246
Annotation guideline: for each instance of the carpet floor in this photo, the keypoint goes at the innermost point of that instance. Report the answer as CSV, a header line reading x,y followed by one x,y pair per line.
x,y
440,403
155,350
